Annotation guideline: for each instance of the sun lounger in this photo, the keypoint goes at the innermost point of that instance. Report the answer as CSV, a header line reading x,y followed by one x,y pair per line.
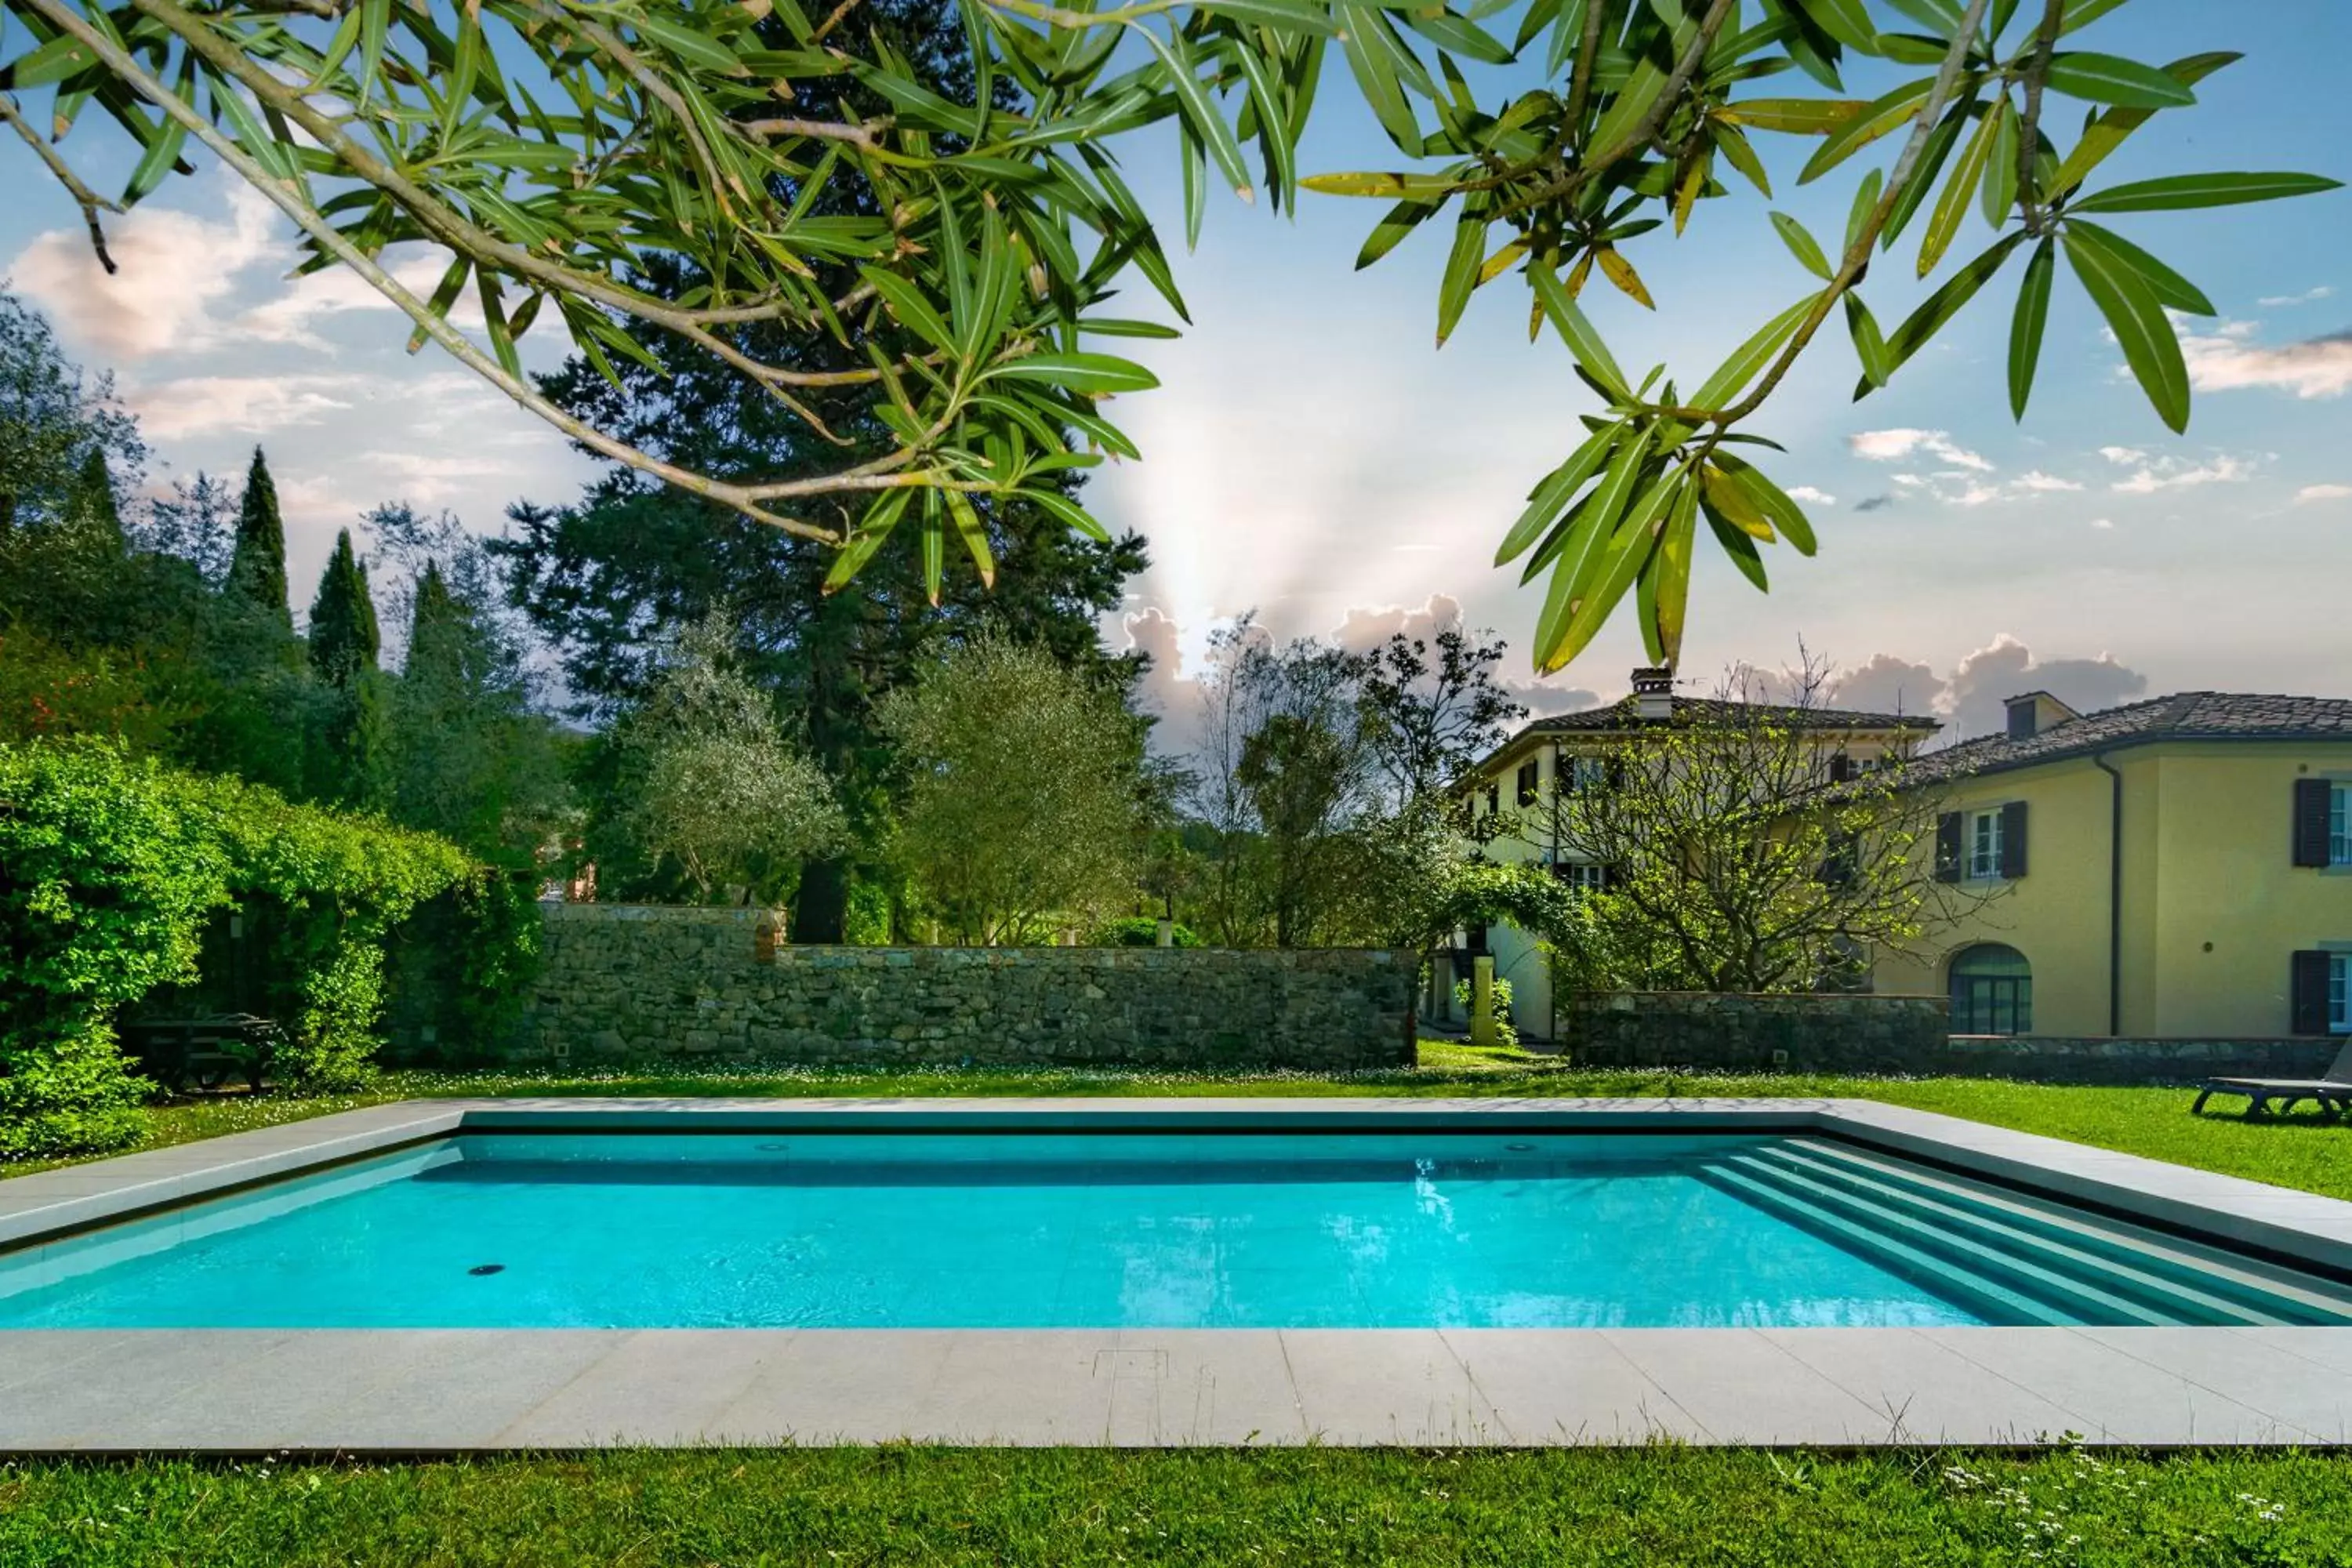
x,y
2334,1092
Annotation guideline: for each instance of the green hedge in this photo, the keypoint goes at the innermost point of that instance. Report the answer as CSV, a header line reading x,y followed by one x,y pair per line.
x,y
111,865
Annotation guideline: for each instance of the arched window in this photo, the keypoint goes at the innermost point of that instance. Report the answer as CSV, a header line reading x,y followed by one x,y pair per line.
x,y
1993,991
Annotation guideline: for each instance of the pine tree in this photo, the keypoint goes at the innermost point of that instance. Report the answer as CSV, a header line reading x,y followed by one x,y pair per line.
x,y
257,571
344,640
441,638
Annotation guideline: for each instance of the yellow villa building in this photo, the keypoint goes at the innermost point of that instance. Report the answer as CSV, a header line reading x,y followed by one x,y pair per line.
x,y
2177,869
1537,771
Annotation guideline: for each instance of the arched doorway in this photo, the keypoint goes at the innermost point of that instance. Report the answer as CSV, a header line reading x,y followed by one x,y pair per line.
x,y
1993,991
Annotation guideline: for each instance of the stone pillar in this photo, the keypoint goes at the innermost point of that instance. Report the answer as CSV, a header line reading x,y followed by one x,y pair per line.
x,y
1166,936
1482,1000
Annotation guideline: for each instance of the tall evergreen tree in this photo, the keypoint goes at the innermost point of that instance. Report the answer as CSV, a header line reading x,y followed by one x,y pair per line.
x,y
91,508
349,762
344,640
257,570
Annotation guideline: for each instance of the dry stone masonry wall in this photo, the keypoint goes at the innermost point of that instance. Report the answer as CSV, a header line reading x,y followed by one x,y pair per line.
x,y
636,983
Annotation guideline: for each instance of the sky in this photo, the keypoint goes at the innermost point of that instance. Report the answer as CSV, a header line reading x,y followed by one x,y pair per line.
x,y
1312,456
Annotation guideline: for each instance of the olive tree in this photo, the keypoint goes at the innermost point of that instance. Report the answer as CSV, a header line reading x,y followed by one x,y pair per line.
x,y
1027,793
800,175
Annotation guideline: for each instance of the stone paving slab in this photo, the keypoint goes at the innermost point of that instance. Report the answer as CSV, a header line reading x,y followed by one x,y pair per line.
x,y
454,1391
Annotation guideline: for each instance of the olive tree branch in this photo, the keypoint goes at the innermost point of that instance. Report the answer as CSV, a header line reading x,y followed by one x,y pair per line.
x,y
1856,260
2029,133
90,201
287,197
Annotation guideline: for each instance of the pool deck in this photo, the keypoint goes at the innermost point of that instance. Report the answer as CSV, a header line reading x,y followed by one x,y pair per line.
x,y
417,1391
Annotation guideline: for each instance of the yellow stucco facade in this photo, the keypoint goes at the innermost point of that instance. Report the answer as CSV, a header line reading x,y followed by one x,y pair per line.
x,y
2204,911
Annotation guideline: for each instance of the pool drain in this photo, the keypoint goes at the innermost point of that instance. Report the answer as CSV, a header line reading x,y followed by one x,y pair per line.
x,y
487,1268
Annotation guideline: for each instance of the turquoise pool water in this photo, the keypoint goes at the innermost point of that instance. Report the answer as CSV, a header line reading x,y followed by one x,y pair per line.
x,y
1346,1230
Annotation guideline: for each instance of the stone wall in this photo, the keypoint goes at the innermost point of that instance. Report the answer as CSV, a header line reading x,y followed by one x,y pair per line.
x,y
636,983
1890,1035
1729,1031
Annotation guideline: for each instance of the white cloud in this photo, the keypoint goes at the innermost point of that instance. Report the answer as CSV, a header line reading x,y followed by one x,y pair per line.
x,y
173,269
2224,362
2322,492
2035,480
2103,522
254,405
1893,446
1808,493
2124,456
2306,297
2172,473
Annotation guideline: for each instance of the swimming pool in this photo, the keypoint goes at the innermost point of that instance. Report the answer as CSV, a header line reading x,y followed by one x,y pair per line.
x,y
1420,1228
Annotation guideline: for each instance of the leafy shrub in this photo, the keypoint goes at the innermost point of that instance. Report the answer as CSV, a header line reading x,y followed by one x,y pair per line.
x,y
1140,930
109,867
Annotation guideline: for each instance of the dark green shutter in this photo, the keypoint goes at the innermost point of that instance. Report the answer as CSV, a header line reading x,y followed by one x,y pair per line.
x,y
2313,798
2012,839
2308,993
1948,847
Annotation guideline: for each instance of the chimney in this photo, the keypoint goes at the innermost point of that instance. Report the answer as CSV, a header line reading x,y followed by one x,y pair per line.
x,y
1653,692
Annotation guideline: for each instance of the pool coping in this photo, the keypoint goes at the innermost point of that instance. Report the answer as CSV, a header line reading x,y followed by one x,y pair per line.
x,y
464,1390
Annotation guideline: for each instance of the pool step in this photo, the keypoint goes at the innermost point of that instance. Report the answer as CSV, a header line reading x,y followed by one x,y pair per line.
x,y
1958,1261
1930,1269
2169,1272
2074,1267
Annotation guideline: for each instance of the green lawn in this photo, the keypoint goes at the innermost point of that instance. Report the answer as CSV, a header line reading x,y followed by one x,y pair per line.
x,y
1059,1507
2302,1150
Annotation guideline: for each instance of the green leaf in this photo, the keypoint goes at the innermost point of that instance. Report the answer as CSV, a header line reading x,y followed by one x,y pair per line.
x,y
1869,346
1376,76
1198,110
62,56
913,311
1883,115
2025,327
1123,327
1409,187
872,530
975,536
1796,116
1288,16
1462,267
1952,206
1601,581
1748,360
1069,511
1582,341
1802,245
1847,21
2137,320
1545,501
1741,153
1781,511
1665,581
1449,31
1401,220
155,164
1085,373
1736,545
2168,287
1999,186
1865,202
2106,131
693,47
2109,78
935,548
1944,304
1923,174
2082,12
2176,191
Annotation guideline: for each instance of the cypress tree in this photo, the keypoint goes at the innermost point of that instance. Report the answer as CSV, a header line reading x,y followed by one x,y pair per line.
x,y
257,570
93,511
437,638
349,762
343,637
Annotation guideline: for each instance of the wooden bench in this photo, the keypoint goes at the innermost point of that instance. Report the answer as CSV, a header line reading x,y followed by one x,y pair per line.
x,y
206,1049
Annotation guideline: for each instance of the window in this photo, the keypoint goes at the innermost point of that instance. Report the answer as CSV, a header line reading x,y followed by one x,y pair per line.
x,y
1579,876
1993,991
2339,824
1984,844
1530,776
2339,988
1587,772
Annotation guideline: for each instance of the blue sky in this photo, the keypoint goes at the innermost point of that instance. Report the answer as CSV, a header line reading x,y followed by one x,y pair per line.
x,y
1312,455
